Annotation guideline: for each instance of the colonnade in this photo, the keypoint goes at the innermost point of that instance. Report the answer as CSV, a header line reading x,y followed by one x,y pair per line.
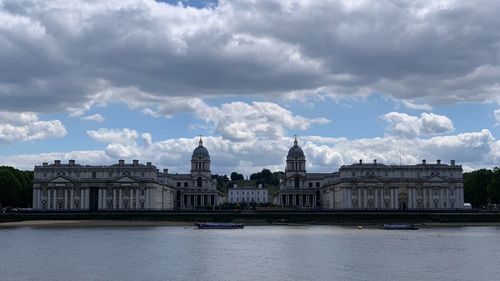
x,y
298,200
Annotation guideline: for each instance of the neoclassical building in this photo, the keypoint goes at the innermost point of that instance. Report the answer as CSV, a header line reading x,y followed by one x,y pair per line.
x,y
124,186
297,187
378,186
136,186
371,186
196,189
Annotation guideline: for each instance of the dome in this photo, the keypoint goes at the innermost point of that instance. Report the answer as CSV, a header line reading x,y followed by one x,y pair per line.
x,y
200,152
295,152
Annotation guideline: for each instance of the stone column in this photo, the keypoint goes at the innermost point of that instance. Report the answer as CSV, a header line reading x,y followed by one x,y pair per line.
x,y
424,192
71,198
396,197
82,196
65,199
441,198
87,201
365,200
120,198
54,204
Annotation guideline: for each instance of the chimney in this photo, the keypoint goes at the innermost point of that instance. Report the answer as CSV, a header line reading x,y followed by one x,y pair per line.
x,y
452,162
57,162
121,162
71,162
148,164
235,185
423,161
439,162
45,164
165,171
135,162
360,161
260,185
375,161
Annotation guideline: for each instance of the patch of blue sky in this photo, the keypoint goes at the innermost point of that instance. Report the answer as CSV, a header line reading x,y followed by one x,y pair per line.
x,y
192,3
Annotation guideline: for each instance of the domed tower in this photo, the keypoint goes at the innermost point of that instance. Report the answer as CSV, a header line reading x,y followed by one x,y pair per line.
x,y
295,166
200,165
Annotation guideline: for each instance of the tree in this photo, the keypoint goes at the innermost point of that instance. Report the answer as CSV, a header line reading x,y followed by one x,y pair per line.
x,y
235,176
10,188
267,177
23,193
493,188
475,187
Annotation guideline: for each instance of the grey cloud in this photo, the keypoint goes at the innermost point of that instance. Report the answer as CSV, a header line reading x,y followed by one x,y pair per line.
x,y
60,54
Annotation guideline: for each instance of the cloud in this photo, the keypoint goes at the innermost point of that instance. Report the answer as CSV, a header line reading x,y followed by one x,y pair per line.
x,y
240,121
473,150
404,125
60,55
496,113
27,126
95,117
114,136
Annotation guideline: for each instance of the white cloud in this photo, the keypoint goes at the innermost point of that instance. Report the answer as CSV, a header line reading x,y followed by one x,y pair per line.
x,y
472,150
411,104
496,113
115,136
402,124
239,121
95,117
27,126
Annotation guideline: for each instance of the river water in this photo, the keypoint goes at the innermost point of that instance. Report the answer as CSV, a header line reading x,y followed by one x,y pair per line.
x,y
253,253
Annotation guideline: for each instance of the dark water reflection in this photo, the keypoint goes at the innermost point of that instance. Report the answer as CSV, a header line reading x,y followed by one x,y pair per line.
x,y
254,253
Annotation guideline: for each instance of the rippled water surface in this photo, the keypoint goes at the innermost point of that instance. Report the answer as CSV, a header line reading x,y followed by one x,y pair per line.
x,y
253,253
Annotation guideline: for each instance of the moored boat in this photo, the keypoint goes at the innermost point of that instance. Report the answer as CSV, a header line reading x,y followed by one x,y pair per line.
x,y
222,225
400,226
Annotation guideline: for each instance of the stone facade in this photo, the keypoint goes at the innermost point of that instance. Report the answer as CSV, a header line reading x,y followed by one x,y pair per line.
x,y
121,186
378,186
298,188
131,186
247,194
371,186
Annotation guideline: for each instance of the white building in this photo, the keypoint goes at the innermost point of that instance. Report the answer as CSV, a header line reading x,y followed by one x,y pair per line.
x,y
298,188
197,189
121,186
248,194
124,186
378,186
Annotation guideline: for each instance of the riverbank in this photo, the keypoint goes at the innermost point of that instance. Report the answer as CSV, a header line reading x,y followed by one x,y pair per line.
x,y
122,223
255,218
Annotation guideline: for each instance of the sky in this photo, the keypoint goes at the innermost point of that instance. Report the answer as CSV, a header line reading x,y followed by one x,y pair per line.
x,y
396,81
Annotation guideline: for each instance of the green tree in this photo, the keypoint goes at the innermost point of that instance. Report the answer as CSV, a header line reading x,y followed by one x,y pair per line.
x,y
10,188
235,176
493,187
475,187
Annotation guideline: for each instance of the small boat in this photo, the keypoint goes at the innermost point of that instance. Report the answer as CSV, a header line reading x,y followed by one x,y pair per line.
x,y
280,222
400,226
222,225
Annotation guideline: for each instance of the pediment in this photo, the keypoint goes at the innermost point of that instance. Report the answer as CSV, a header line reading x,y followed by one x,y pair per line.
x,y
435,178
371,178
126,179
60,179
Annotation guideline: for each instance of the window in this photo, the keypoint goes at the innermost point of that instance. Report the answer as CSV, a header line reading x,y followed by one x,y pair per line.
x,y
142,174
353,174
94,175
317,184
199,182
310,184
178,184
297,182
110,174
185,184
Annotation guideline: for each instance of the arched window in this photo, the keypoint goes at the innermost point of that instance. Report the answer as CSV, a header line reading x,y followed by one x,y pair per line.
x,y
199,182
297,182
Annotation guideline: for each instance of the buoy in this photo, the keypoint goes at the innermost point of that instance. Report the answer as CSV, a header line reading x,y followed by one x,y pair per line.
x,y
360,227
